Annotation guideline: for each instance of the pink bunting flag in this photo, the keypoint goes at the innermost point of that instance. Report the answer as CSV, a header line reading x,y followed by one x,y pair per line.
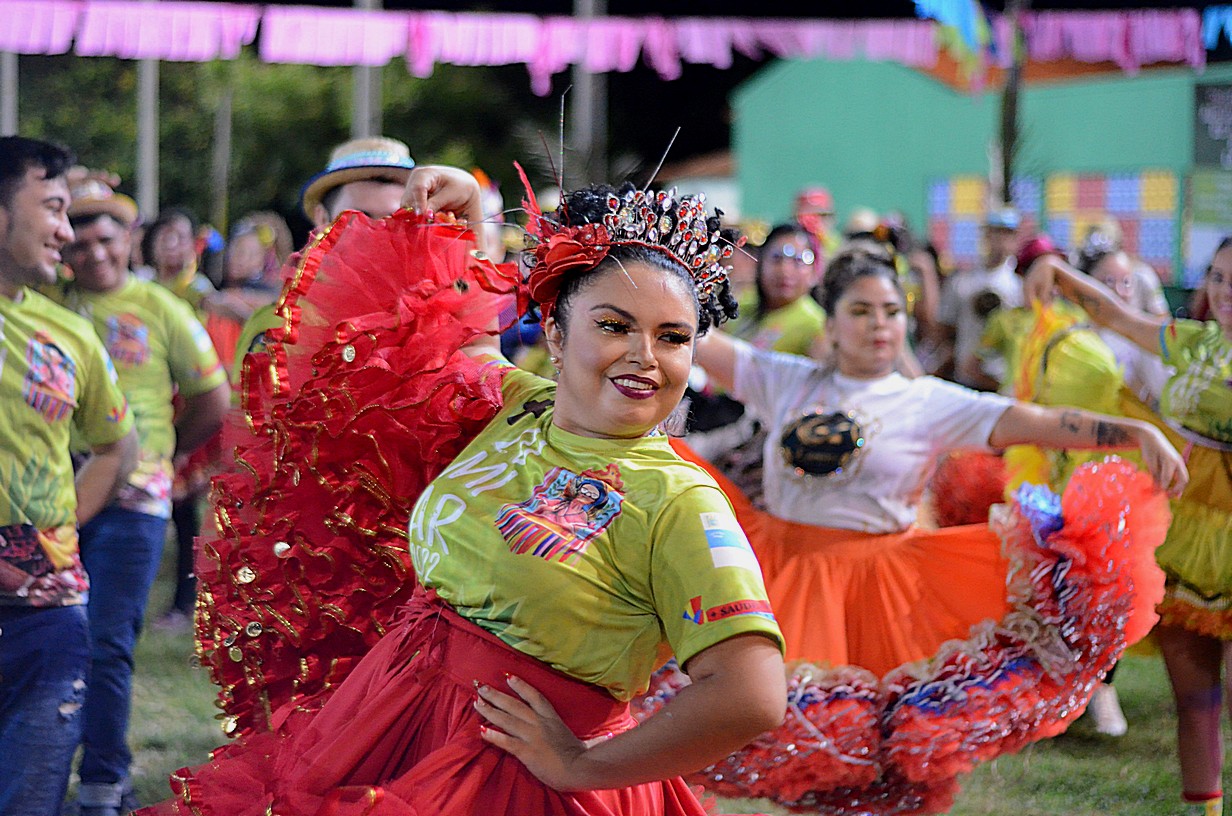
x,y
38,26
326,36
180,31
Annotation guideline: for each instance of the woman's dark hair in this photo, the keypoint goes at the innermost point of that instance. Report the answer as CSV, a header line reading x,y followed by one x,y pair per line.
x,y
165,219
1224,243
857,260
588,206
789,230
1090,256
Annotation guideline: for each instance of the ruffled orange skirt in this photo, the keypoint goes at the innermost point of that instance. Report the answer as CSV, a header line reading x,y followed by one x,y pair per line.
x,y
878,601
872,600
921,654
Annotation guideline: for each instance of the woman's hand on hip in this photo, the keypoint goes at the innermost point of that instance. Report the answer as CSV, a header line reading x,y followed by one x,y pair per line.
x,y
528,727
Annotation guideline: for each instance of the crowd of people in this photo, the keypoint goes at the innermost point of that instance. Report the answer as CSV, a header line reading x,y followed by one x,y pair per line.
x,y
647,438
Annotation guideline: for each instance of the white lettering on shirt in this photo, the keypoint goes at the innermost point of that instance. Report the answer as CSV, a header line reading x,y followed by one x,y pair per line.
x,y
427,545
529,441
487,477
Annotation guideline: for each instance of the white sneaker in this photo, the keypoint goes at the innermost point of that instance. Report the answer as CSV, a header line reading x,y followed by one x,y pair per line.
x,y
1105,710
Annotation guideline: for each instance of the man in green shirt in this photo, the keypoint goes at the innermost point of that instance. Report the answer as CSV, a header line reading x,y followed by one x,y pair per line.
x,y
55,379
159,349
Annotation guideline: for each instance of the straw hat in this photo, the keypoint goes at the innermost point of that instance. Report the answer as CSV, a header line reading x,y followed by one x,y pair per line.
x,y
93,196
358,160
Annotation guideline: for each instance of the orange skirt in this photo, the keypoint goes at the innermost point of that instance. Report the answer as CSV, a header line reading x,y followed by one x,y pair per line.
x,y
998,653
867,599
878,601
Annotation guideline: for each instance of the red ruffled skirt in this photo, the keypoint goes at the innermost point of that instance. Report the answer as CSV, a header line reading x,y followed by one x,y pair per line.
x,y
401,736
1000,634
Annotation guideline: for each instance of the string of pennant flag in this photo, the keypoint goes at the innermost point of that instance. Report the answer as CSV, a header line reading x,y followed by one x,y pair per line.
x,y
199,32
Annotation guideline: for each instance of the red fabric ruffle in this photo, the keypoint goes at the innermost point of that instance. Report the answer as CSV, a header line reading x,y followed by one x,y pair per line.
x,y
965,486
401,738
359,399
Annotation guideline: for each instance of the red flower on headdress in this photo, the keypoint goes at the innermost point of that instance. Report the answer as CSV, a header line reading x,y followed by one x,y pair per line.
x,y
572,249
561,249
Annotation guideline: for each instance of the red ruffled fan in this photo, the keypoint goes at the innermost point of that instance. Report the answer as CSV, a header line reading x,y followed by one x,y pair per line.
x,y
360,398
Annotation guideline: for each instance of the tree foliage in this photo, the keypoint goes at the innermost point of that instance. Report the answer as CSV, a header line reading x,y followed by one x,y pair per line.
x,y
285,120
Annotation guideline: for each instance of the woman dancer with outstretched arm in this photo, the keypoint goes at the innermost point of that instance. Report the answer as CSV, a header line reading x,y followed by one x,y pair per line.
x,y
1196,408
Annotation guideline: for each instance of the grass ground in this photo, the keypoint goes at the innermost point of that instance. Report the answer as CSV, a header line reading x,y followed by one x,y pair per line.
x,y
1077,774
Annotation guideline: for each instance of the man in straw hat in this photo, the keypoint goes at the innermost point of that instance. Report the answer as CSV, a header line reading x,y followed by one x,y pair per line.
x,y
363,174
55,379
367,175
159,349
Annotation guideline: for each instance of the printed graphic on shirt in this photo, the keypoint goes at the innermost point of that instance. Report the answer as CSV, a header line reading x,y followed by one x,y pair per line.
x,y
50,385
529,443
1208,369
823,443
729,547
533,408
563,515
128,339
41,567
698,614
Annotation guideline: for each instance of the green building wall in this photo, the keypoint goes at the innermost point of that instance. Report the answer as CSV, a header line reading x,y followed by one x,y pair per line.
x,y
875,133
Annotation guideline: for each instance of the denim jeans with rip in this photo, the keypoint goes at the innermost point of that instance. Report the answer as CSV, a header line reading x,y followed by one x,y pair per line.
x,y
44,667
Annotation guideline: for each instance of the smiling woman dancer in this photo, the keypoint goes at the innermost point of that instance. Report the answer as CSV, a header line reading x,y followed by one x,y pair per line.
x,y
849,448
562,557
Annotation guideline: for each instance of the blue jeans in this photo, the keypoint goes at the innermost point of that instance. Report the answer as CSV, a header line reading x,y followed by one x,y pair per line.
x,y
120,550
44,664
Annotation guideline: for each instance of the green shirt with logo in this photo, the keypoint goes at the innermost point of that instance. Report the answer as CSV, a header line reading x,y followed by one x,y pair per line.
x,y
56,379
159,349
600,557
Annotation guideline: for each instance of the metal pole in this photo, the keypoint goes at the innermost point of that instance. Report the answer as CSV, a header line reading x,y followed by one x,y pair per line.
x,y
8,93
220,166
1010,97
366,107
147,136
588,135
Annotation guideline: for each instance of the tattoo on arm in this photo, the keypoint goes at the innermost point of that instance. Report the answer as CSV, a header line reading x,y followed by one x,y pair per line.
x,y
1090,305
1111,436
1071,421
